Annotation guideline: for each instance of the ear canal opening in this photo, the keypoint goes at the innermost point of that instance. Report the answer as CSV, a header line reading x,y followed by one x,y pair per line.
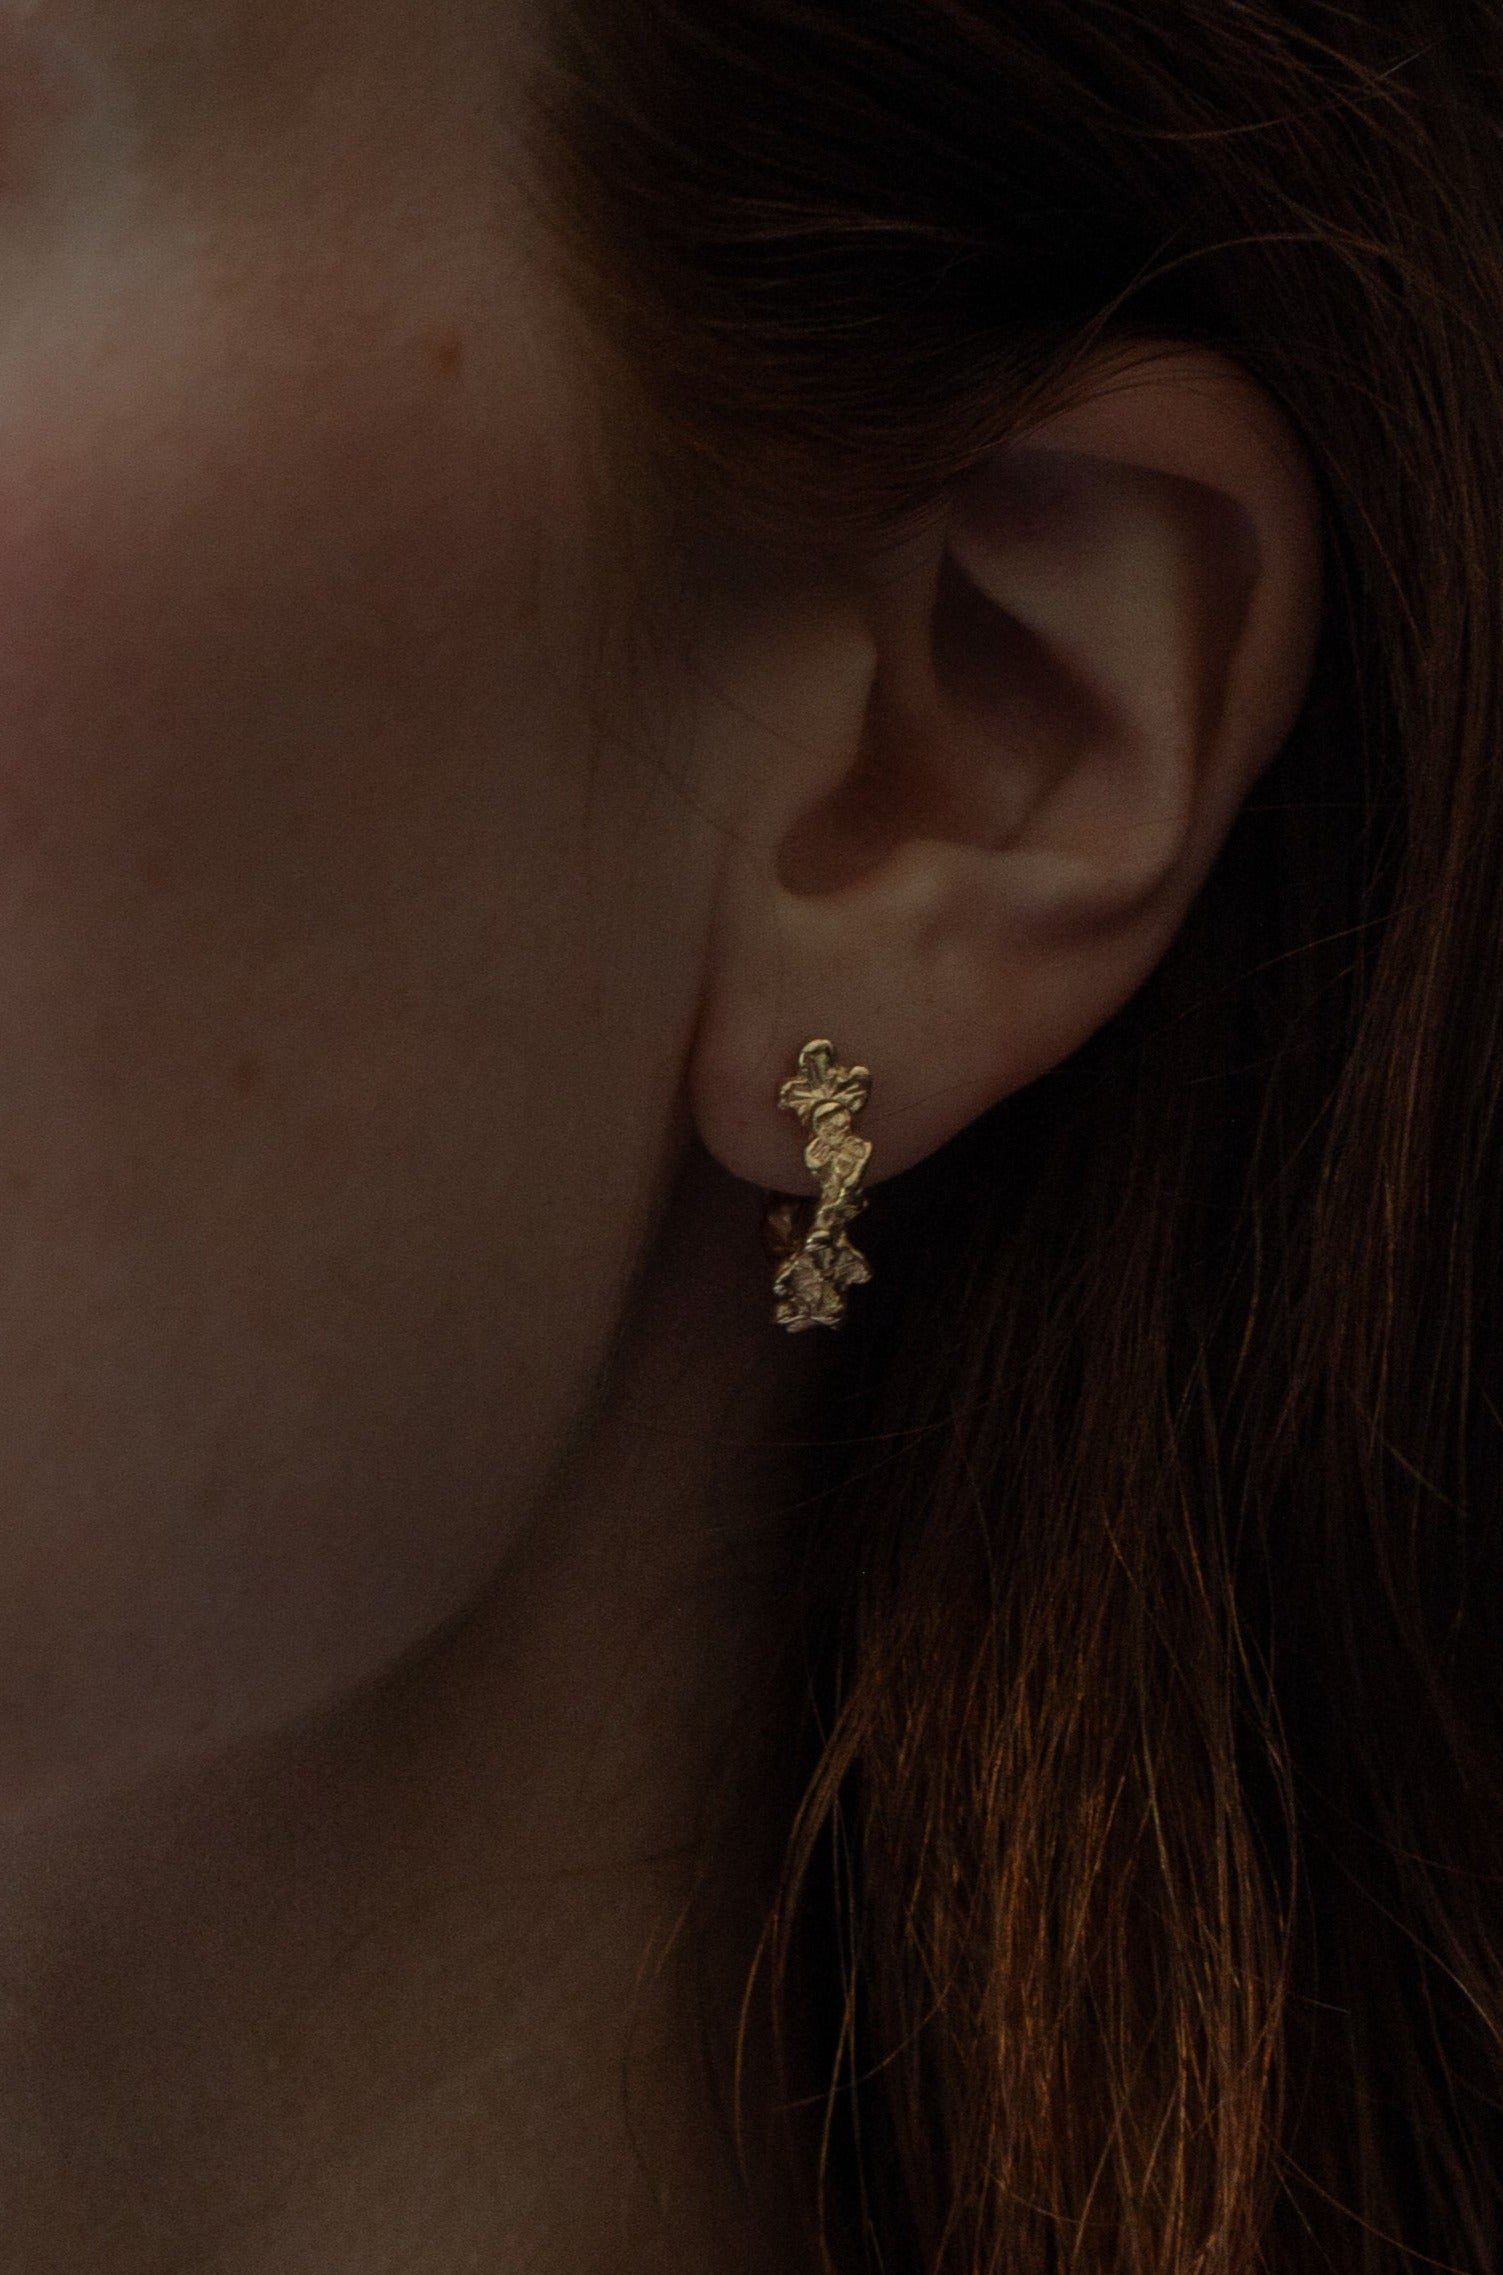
x,y
964,759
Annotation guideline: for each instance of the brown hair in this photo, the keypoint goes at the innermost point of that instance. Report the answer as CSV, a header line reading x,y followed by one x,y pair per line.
x,y
1154,1828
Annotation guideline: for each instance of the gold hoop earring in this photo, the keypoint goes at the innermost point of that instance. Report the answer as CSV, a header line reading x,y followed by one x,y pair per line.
x,y
816,1262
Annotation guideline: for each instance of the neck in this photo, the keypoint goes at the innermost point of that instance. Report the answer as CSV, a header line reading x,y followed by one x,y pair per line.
x,y
405,1986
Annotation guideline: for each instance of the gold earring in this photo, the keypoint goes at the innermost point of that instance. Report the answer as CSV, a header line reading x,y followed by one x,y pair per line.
x,y
816,1262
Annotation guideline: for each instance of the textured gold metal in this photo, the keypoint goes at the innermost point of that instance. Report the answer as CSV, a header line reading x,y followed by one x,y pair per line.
x,y
816,1262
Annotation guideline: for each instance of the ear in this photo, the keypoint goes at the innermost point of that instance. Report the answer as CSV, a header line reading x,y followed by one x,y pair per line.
x,y
976,798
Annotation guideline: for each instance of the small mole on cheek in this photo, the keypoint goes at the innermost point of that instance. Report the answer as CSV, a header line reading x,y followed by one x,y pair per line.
x,y
447,351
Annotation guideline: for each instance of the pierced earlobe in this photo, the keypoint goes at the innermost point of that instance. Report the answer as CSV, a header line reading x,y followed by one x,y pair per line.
x,y
816,1261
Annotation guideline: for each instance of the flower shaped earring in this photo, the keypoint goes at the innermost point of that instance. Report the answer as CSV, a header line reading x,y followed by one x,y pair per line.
x,y
816,1262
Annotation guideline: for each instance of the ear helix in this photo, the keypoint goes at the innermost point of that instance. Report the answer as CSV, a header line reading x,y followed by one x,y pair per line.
x,y
816,1261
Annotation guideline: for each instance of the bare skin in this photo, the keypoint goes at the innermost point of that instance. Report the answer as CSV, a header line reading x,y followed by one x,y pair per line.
x,y
398,1987
395,1446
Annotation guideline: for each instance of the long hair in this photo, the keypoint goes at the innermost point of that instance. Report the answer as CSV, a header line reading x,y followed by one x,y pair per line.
x,y
1152,1849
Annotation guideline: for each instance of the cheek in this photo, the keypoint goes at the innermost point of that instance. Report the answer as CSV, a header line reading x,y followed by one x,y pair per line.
x,y
292,1321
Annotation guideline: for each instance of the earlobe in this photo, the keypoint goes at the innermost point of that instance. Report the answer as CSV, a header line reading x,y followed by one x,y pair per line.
x,y
982,850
